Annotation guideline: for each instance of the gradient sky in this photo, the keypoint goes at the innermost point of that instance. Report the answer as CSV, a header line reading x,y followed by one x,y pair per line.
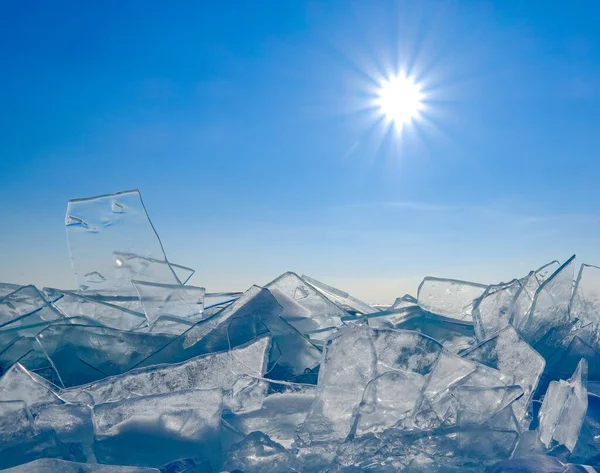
x,y
250,130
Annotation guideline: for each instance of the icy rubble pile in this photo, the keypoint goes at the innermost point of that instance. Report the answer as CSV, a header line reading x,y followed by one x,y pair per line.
x,y
136,372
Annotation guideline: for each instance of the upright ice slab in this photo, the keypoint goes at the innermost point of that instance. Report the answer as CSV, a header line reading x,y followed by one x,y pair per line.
x,y
175,300
303,307
549,312
585,305
563,411
448,297
112,241
340,298
509,353
492,311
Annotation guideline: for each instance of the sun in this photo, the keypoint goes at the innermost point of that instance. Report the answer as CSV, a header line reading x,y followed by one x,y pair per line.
x,y
400,100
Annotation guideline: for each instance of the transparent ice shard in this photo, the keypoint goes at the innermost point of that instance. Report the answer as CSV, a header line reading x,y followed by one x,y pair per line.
x,y
273,408
18,384
477,405
7,288
257,453
392,318
304,308
349,363
389,401
454,335
563,410
509,353
111,241
217,370
211,334
216,299
165,427
550,308
186,302
402,302
25,306
493,310
585,305
448,297
26,352
82,354
44,444
342,299
525,296
98,309
53,465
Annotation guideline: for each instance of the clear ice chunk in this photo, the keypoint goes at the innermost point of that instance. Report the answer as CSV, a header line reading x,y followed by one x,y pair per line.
x,y
96,308
82,354
509,353
211,334
25,306
216,370
563,410
349,362
340,298
402,302
186,302
454,335
218,299
389,401
53,465
585,305
257,453
72,423
550,308
305,308
493,310
19,384
529,286
448,297
273,408
112,241
157,429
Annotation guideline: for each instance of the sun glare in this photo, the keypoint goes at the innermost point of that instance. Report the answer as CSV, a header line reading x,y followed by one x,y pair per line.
x,y
400,99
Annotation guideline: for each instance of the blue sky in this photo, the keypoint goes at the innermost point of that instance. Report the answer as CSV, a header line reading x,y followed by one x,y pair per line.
x,y
250,130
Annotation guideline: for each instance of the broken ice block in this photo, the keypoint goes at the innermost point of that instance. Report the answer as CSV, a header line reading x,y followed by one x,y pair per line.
x,y
388,402
274,408
157,429
492,311
95,308
550,309
304,308
211,334
448,297
53,465
186,302
391,318
529,286
454,335
82,354
563,410
18,384
25,306
585,305
340,298
111,241
509,353
349,363
215,370
257,453
478,404
405,301
216,299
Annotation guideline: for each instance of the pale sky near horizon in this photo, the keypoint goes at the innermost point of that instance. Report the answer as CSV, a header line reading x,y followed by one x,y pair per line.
x,y
250,129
